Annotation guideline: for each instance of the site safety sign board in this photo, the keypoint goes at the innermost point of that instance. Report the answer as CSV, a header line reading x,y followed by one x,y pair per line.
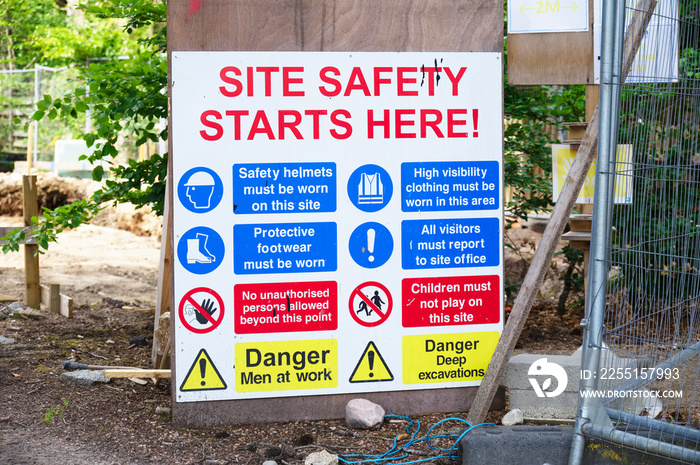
x,y
338,221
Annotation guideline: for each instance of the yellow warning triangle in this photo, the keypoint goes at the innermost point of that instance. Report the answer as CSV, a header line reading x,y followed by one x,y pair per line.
x,y
371,367
203,375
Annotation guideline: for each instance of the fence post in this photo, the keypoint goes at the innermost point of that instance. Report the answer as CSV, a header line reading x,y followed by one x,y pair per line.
x,y
32,290
613,70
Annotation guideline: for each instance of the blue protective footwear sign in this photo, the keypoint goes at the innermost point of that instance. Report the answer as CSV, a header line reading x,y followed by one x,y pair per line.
x,y
200,250
284,248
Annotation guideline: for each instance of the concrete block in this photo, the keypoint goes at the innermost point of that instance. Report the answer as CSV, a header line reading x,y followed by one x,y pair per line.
x,y
537,445
517,376
562,406
84,377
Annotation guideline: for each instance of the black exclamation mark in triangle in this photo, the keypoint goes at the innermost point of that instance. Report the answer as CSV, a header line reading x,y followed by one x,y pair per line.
x,y
370,359
203,369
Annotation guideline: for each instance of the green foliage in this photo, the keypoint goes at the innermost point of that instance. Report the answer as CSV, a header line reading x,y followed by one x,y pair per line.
x,y
55,413
125,98
657,245
533,112
21,24
531,115
658,230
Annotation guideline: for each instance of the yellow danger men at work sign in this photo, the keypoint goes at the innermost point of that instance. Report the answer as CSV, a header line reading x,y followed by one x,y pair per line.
x,y
371,367
286,365
203,375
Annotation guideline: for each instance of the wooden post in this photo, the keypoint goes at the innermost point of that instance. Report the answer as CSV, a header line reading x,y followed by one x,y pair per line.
x,y
32,290
164,291
54,298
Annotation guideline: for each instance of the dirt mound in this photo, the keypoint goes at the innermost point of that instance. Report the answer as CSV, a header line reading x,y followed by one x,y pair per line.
x,y
54,191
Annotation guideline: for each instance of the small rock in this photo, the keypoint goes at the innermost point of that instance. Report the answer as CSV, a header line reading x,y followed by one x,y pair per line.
x,y
84,377
15,306
30,313
162,333
514,417
6,340
138,341
363,414
321,458
269,462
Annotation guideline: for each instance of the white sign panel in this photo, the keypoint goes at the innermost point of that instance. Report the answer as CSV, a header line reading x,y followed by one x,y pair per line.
x,y
337,221
528,16
657,58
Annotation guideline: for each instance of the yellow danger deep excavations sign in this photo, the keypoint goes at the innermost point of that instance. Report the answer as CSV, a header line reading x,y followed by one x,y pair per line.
x,y
441,358
286,365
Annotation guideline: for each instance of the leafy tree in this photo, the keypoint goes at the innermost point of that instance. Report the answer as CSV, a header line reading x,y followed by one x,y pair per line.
x,y
124,97
21,24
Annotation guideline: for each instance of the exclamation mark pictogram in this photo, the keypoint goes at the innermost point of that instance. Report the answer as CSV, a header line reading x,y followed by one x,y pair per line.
x,y
203,369
370,359
475,118
370,243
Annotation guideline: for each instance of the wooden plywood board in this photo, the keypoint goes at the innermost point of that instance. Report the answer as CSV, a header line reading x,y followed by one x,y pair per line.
x,y
555,58
331,25
56,302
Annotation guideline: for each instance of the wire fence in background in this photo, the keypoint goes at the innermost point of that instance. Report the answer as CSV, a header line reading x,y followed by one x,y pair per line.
x,y
19,92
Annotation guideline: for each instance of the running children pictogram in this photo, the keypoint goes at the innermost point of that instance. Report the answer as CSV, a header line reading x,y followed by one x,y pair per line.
x,y
370,304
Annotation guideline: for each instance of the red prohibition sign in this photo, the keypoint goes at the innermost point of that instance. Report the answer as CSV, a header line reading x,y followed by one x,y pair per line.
x,y
370,304
213,316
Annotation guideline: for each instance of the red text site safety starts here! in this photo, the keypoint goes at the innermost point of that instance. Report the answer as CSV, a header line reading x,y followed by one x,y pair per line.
x,y
286,83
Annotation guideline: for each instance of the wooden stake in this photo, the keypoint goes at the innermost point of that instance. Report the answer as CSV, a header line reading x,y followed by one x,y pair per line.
x,y
164,290
137,373
32,290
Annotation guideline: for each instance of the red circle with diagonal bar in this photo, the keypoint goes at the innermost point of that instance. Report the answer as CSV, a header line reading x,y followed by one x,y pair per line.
x,y
367,310
198,311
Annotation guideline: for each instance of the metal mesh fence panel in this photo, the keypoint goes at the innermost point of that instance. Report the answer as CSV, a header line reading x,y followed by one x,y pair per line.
x,y
649,369
19,92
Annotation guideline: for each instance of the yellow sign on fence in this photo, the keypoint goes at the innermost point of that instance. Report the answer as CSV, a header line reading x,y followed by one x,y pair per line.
x,y
563,157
